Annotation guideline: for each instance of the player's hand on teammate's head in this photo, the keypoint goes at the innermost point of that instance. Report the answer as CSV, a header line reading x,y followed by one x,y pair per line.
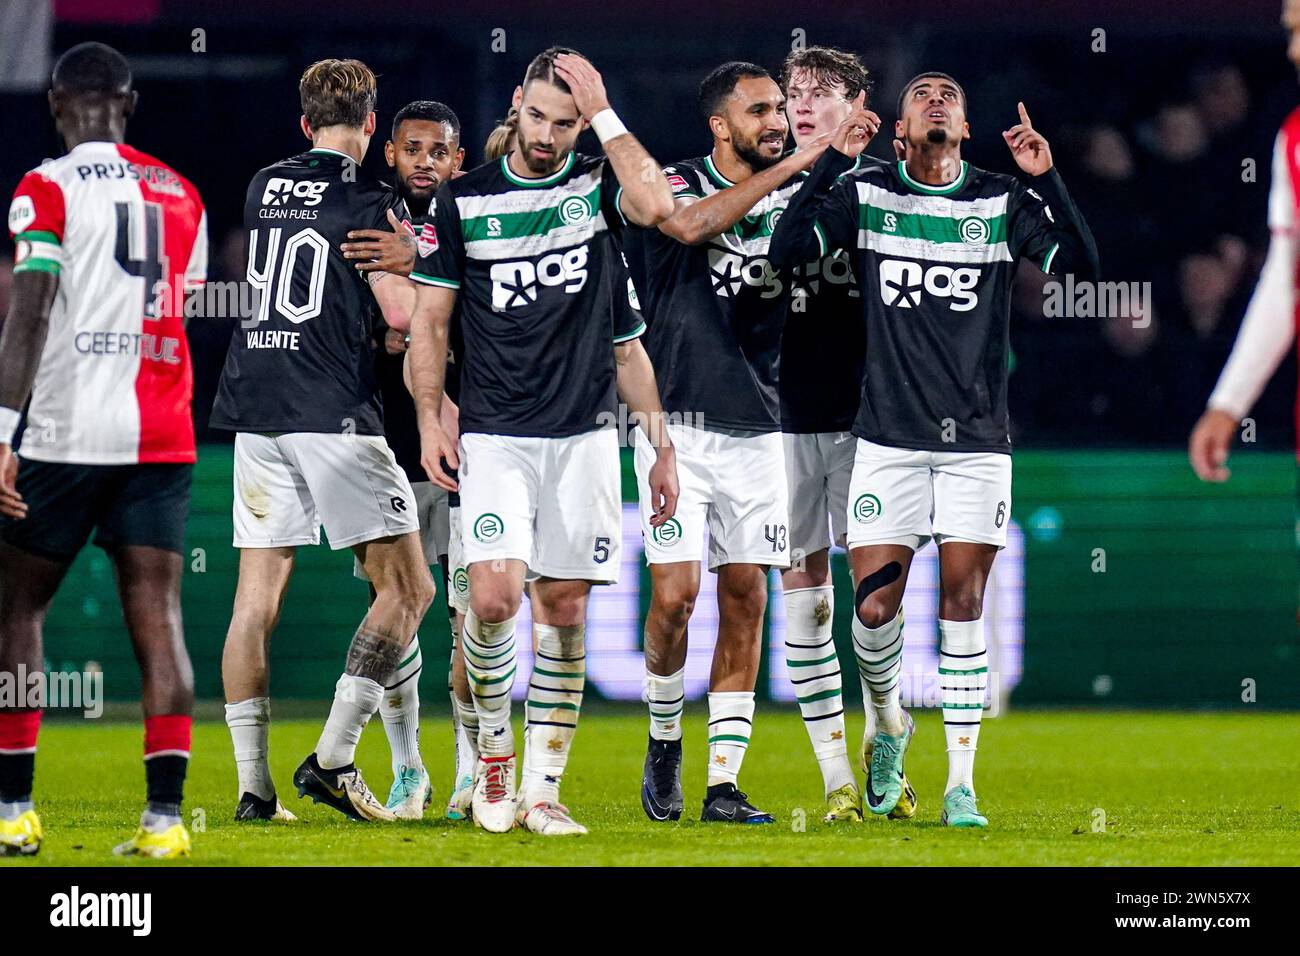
x,y
1028,146
11,503
377,251
1207,449
585,82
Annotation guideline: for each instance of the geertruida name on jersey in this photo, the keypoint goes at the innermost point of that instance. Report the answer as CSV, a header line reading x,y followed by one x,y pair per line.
x,y
158,178
272,339
146,345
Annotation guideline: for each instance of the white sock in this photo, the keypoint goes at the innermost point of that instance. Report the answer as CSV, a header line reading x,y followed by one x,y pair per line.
x,y
963,676
490,666
158,822
464,718
13,809
355,701
400,708
554,702
731,720
250,727
880,666
466,736
666,697
815,672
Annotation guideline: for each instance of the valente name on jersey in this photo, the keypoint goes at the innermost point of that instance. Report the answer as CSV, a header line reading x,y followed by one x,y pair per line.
x,y
534,262
935,267
305,364
715,310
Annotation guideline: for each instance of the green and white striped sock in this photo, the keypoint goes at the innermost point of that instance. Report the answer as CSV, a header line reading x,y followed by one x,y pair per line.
x,y
464,718
666,697
880,666
815,673
490,667
554,702
731,721
963,676
400,708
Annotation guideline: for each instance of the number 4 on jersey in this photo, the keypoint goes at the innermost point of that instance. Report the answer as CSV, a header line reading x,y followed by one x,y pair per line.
x,y
150,265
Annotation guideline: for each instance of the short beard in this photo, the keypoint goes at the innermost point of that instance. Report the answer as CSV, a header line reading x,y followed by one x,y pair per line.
x,y
936,136
418,204
753,158
534,166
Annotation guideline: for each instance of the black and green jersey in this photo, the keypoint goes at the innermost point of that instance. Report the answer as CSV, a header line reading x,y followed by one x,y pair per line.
x,y
935,266
715,310
534,262
824,344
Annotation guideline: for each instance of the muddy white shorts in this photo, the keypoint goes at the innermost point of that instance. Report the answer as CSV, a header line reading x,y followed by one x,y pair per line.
x,y
288,485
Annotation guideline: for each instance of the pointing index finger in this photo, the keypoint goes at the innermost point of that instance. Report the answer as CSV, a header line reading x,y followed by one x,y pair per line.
x,y
1024,115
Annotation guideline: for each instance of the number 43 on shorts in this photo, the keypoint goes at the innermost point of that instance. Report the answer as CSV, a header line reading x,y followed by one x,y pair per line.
x,y
775,534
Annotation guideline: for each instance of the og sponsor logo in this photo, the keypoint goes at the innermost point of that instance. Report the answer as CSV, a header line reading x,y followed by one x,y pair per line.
x,y
866,509
278,191
902,284
488,528
515,284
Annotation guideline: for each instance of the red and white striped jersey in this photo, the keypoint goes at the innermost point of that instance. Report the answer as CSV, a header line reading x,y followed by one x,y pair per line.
x,y
1272,317
127,235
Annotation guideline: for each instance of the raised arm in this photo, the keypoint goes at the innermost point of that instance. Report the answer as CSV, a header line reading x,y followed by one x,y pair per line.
x,y
695,220
1070,247
818,220
645,199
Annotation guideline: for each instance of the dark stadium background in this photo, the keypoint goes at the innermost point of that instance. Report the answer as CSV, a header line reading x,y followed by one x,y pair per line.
x,y
1198,591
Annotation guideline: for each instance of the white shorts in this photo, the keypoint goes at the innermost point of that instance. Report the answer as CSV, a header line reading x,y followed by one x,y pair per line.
x,y
817,469
287,485
431,510
735,486
554,503
901,496
457,570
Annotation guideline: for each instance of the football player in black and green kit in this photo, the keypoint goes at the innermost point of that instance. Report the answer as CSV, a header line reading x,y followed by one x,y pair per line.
x,y
935,244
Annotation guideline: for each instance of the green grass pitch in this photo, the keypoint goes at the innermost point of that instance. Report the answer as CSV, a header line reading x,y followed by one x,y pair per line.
x,y
1171,789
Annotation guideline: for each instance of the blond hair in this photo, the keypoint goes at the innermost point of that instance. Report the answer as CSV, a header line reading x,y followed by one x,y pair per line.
x,y
337,93
498,141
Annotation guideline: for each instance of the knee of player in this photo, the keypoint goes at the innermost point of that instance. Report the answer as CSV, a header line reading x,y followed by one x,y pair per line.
x,y
253,617
675,602
747,596
494,608
875,611
962,605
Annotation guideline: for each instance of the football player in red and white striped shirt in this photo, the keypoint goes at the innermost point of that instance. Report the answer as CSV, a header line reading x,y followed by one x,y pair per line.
x,y
108,241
